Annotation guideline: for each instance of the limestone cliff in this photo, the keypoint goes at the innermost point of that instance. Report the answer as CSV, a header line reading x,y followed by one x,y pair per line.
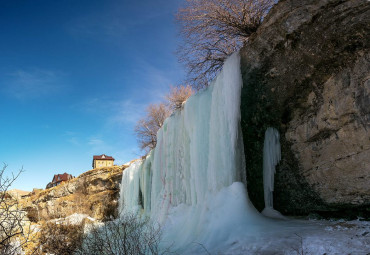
x,y
94,193
306,73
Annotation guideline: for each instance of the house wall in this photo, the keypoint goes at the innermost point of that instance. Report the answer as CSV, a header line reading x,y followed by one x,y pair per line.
x,y
102,163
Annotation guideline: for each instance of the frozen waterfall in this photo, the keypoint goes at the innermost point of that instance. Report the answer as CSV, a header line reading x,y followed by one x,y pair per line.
x,y
193,181
271,157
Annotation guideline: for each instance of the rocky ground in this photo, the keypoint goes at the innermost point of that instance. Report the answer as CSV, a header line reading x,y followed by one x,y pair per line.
x,y
94,193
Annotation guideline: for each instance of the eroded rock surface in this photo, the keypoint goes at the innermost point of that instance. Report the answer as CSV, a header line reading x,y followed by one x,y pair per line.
x,y
94,193
306,73
333,142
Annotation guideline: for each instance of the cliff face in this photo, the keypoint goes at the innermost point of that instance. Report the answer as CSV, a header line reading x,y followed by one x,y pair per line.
x,y
306,73
94,193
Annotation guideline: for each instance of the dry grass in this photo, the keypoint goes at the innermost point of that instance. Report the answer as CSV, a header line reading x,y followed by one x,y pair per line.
x,y
94,193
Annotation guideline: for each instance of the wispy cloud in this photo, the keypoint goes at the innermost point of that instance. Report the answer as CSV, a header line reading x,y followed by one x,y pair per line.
x,y
156,81
120,112
127,112
34,83
96,142
72,138
97,145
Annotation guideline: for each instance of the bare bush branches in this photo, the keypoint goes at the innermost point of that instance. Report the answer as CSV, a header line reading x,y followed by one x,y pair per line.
x,y
14,229
126,235
60,238
212,30
146,129
178,96
10,215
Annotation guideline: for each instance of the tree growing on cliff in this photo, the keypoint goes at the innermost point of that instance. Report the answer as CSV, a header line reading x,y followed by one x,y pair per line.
x,y
214,29
146,128
178,95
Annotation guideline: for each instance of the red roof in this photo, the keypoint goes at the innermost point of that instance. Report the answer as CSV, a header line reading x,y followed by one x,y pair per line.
x,y
61,177
103,157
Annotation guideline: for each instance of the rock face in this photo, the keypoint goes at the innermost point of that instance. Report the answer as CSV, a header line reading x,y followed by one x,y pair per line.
x,y
306,73
94,193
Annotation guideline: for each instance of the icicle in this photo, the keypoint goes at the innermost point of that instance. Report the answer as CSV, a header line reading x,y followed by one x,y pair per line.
x,y
271,157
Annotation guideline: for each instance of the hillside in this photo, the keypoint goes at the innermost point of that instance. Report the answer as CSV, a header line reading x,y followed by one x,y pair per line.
x,y
18,193
94,193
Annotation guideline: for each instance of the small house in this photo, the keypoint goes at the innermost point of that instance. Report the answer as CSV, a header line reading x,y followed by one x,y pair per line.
x,y
58,179
102,161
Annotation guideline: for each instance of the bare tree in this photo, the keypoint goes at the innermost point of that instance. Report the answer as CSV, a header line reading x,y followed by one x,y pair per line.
x,y
146,129
178,95
14,229
214,29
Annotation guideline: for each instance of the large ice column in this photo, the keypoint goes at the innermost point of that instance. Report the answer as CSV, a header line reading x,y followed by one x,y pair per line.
x,y
188,181
271,157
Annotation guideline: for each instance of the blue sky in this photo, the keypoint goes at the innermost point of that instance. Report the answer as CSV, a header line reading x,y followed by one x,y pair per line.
x,y
75,76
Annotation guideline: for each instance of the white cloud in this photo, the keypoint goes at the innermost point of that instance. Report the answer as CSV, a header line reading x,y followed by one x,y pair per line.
x,y
120,112
74,141
98,146
35,83
96,142
126,112
72,137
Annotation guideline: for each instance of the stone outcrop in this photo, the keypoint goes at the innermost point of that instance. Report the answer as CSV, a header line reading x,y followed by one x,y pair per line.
x,y
306,73
94,193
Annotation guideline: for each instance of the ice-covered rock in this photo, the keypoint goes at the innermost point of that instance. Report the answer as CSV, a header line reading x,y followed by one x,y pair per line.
x,y
192,182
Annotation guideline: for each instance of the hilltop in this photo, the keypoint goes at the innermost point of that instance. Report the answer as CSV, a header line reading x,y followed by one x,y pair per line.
x,y
94,193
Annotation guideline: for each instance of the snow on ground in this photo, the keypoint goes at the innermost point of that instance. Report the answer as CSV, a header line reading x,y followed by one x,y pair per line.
x,y
313,237
74,219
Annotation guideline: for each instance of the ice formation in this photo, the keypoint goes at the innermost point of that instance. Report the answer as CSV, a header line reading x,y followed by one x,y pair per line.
x,y
271,157
192,182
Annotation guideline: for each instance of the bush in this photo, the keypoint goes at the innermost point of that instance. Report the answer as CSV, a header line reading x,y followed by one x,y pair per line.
x,y
60,238
123,236
14,227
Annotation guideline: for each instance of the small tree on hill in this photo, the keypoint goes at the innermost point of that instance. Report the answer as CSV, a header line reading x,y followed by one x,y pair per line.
x,y
213,29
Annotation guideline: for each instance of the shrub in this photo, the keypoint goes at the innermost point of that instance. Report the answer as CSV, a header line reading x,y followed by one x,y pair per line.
x,y
60,238
123,236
